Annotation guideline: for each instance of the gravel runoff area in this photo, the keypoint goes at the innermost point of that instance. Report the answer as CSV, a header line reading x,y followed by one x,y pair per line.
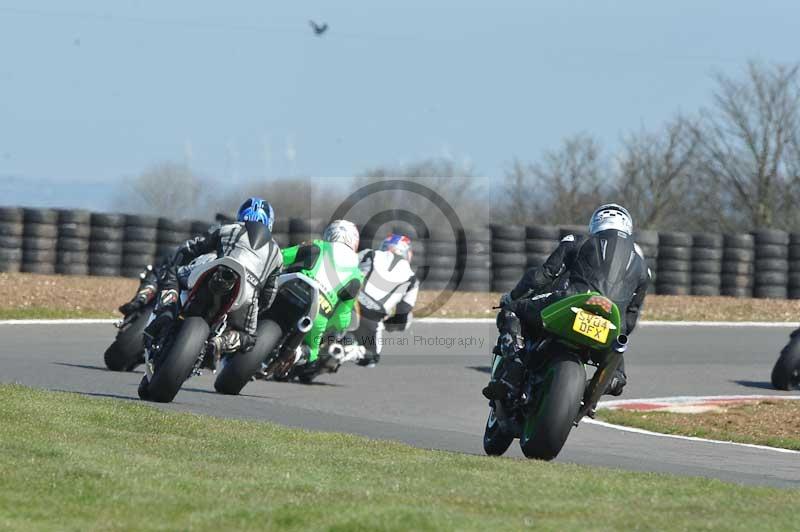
x,y
55,296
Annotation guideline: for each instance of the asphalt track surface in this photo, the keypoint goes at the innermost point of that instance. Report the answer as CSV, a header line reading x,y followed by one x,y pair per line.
x,y
427,391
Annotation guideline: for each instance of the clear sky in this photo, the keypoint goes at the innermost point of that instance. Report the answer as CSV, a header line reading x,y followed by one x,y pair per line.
x,y
94,90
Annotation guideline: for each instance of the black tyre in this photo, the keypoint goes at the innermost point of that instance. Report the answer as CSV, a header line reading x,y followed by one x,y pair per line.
x,y
673,277
138,248
770,292
507,232
10,214
509,274
102,219
772,265
772,251
673,265
672,239
542,232
508,246
178,363
740,255
72,244
139,220
74,231
706,266
39,216
495,440
674,252
239,368
11,229
127,350
738,241
40,230
549,423
140,234
541,246
786,373
736,291
699,254
72,269
106,246
771,236
666,289
509,259
106,233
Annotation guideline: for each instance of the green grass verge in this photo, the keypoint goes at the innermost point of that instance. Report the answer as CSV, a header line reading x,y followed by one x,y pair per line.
x,y
39,313
69,462
744,426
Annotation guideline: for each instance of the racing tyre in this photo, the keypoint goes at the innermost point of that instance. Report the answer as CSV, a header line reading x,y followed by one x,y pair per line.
x,y
127,350
178,363
239,368
555,409
786,373
495,440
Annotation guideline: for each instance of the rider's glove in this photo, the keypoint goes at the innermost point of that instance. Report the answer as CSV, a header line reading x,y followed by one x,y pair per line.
x,y
506,300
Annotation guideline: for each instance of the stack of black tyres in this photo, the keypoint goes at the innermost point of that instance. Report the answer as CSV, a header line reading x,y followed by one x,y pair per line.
x,y
738,265
648,243
540,242
199,227
10,239
673,274
301,230
441,259
40,232
509,259
280,232
476,264
170,235
794,266
105,244
772,263
72,248
706,264
139,244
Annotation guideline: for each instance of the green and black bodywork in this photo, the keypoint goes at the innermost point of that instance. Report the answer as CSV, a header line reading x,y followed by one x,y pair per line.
x,y
579,330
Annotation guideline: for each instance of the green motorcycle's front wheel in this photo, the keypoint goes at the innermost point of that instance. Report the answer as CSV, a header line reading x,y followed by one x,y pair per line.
x,y
549,422
495,440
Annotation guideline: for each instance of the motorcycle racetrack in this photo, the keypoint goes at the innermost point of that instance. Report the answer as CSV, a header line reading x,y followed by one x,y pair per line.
x,y
426,391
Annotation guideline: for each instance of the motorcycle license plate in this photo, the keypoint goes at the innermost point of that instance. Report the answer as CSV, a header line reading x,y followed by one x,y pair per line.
x,y
592,326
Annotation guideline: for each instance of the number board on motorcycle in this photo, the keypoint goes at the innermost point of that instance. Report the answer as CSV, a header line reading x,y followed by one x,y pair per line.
x,y
592,326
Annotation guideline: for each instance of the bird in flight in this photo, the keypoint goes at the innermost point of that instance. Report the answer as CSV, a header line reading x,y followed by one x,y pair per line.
x,y
319,29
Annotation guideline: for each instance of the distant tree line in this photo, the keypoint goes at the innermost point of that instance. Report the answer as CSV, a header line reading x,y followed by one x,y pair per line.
x,y
732,165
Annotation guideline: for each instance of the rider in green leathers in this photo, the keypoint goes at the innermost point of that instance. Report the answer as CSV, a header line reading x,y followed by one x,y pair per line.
x,y
333,263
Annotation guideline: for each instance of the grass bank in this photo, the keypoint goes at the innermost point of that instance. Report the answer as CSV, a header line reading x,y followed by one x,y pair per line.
x,y
30,296
775,423
69,462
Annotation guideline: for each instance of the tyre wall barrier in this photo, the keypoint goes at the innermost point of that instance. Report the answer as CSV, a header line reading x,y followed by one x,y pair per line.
x,y
674,264
765,263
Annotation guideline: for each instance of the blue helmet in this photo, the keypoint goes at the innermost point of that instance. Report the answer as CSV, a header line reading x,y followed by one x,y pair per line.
x,y
256,210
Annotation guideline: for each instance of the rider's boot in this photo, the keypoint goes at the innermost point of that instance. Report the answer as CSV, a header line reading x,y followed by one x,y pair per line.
x,y
618,382
148,286
508,371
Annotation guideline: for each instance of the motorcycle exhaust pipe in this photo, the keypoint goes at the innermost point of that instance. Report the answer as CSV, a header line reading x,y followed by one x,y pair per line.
x,y
304,324
336,351
620,344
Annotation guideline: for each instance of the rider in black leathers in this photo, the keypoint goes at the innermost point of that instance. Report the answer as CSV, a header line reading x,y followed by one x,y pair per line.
x,y
607,261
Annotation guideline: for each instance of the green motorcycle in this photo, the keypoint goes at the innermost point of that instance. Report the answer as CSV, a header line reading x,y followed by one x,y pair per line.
x,y
580,330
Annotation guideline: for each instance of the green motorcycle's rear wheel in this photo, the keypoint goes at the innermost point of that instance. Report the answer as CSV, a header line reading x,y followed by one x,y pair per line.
x,y
550,420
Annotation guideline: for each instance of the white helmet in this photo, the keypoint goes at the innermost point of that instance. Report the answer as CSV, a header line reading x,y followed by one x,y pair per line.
x,y
342,231
611,216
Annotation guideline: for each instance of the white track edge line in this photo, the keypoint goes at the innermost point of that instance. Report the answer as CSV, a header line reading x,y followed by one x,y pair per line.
x,y
688,438
455,321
